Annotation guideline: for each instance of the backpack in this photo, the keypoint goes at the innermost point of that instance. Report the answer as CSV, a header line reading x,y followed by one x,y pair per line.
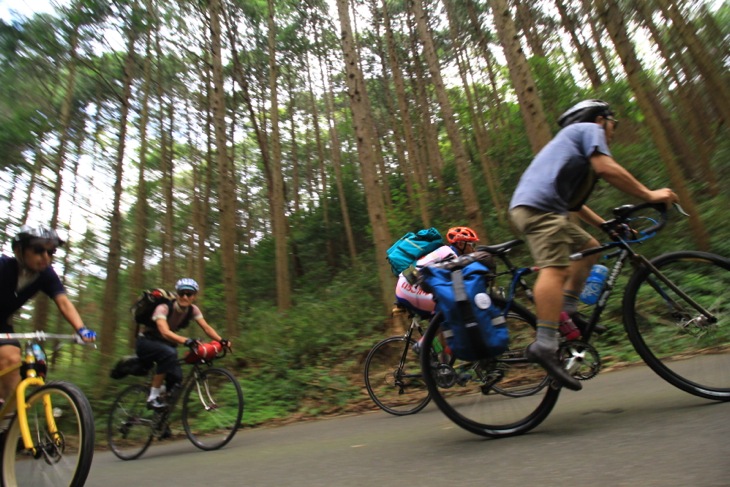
x,y
474,327
129,365
144,307
411,247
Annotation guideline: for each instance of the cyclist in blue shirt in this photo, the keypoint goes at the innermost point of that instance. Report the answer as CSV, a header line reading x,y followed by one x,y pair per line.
x,y
21,277
559,181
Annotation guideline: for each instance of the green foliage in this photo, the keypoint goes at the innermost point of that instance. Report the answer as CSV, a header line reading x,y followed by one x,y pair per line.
x,y
308,359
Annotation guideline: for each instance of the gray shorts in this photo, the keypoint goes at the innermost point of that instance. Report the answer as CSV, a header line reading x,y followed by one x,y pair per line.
x,y
552,237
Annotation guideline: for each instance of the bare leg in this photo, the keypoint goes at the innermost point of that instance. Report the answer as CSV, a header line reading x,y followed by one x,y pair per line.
x,y
549,292
9,356
580,269
549,303
157,380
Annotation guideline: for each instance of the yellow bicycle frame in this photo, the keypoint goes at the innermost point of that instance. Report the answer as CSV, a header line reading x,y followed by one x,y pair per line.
x,y
22,407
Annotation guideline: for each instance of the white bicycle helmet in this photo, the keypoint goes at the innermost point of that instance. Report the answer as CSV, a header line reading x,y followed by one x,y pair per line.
x,y
187,284
585,111
29,233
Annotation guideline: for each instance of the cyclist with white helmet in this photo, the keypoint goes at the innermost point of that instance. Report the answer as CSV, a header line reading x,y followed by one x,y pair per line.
x,y
21,277
158,344
559,181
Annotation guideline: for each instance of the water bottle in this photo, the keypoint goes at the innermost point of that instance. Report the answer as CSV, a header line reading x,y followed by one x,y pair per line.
x,y
40,360
437,347
567,327
27,368
594,284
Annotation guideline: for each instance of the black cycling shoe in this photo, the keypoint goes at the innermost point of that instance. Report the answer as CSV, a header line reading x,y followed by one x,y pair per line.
x,y
582,324
548,358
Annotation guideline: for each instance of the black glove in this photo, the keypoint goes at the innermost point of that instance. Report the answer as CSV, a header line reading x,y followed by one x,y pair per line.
x,y
190,343
224,343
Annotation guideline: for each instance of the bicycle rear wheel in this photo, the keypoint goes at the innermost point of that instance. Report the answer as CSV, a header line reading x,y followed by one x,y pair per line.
x,y
498,397
62,427
212,408
674,339
131,424
393,377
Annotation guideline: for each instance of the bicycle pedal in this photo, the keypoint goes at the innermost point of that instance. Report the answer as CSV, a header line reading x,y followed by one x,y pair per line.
x,y
463,379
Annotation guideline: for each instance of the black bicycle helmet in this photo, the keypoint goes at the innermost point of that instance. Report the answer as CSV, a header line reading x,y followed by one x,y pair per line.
x,y
28,233
585,111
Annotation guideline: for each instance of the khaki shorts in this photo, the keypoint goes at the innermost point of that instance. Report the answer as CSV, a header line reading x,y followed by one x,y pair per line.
x,y
552,237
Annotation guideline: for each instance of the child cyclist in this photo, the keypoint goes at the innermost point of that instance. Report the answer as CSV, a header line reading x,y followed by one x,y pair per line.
x,y
461,240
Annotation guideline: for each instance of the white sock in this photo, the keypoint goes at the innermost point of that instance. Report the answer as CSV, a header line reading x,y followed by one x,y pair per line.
x,y
154,393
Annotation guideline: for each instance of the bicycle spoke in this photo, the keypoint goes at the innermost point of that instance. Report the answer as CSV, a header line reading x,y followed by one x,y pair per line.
x,y
212,409
497,397
393,377
62,447
130,425
681,343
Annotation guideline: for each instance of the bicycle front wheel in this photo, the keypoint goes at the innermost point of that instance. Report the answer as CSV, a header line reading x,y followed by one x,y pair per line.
x,y
131,424
684,347
61,426
212,408
498,397
393,377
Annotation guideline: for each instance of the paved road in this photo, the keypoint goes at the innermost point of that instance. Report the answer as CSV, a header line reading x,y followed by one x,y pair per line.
x,y
626,428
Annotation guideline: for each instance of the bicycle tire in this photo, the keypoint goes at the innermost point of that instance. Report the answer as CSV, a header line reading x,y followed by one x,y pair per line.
x,y
212,408
670,335
465,394
393,377
131,424
60,460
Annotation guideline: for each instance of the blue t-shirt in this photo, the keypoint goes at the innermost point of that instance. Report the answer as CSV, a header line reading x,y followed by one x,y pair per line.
x,y
11,300
561,177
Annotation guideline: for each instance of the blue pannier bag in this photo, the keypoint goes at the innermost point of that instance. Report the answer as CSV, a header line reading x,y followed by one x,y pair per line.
x,y
474,327
411,247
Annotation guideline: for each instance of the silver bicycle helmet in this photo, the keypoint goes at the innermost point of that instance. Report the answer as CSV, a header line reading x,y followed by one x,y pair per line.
x,y
187,284
29,233
585,111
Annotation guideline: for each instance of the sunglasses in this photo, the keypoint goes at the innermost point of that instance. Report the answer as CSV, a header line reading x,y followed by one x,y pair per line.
x,y
40,250
186,293
615,122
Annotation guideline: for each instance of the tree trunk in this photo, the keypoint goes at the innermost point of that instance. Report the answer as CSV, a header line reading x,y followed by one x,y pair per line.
x,y
652,110
481,138
538,130
472,209
42,303
588,13
337,165
363,124
716,80
419,189
278,215
226,196
571,26
109,319
141,208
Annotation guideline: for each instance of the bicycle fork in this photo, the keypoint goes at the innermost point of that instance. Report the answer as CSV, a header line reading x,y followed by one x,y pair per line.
x,y
673,304
204,394
22,418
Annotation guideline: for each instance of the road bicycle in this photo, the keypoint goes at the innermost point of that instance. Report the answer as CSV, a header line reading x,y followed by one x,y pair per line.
x,y
212,407
676,313
392,370
49,440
